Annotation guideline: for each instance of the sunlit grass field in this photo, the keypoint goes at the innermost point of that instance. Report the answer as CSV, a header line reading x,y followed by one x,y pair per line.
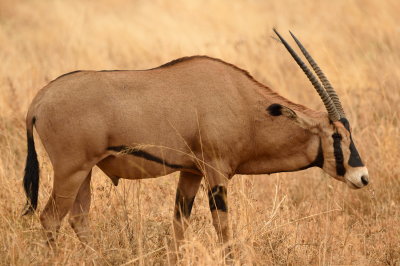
x,y
290,218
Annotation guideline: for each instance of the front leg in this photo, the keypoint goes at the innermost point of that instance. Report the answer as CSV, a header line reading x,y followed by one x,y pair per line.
x,y
217,196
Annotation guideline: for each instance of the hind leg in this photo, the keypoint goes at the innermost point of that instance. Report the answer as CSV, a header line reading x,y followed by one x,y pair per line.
x,y
78,217
185,193
65,189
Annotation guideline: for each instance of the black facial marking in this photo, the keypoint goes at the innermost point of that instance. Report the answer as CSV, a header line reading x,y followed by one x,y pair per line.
x,y
183,206
275,109
345,123
355,159
337,151
217,198
144,155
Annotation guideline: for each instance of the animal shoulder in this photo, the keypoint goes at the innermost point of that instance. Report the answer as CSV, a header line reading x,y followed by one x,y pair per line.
x,y
203,59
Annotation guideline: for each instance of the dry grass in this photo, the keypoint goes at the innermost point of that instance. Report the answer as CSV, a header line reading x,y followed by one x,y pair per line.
x,y
297,218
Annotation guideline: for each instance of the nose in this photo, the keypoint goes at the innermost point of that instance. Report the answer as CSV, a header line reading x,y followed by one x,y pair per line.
x,y
364,180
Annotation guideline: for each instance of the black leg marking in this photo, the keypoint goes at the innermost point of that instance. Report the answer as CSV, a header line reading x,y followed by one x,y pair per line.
x,y
337,151
217,198
144,155
183,206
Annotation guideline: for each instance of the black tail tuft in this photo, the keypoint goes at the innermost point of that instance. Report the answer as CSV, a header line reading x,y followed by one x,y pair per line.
x,y
31,177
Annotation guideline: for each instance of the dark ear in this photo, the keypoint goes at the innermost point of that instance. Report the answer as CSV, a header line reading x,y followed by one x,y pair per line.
x,y
301,119
276,109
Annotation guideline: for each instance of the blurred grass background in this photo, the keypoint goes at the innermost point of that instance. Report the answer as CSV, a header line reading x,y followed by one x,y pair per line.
x,y
294,218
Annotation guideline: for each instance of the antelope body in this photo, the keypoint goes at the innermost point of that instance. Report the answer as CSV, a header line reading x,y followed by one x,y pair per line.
x,y
197,115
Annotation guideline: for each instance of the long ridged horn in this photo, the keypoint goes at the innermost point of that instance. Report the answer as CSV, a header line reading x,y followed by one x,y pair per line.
x,y
330,107
325,82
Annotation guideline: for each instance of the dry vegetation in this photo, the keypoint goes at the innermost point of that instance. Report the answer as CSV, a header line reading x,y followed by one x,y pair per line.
x,y
295,218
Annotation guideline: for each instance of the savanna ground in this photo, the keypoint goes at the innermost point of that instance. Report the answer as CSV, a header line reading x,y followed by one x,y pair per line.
x,y
289,218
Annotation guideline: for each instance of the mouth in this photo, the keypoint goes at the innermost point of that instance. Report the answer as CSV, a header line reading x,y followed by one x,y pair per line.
x,y
356,178
352,185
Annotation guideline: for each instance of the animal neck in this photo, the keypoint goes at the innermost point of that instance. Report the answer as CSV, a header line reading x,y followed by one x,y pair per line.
x,y
284,155
281,145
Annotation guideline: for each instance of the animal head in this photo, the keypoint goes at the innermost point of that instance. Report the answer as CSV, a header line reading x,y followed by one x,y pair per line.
x,y
341,158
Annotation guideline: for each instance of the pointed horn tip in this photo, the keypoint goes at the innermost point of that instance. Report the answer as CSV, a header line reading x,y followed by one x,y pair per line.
x,y
335,115
295,38
279,39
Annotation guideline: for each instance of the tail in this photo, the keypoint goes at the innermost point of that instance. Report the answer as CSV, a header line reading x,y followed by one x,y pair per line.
x,y
31,177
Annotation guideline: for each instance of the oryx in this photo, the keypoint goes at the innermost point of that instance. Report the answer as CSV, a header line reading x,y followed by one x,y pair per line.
x,y
197,115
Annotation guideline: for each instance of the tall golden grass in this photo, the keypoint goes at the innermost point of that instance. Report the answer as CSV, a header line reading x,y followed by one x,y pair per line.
x,y
294,218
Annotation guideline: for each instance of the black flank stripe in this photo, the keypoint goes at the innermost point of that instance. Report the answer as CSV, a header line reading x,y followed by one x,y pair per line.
x,y
144,155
